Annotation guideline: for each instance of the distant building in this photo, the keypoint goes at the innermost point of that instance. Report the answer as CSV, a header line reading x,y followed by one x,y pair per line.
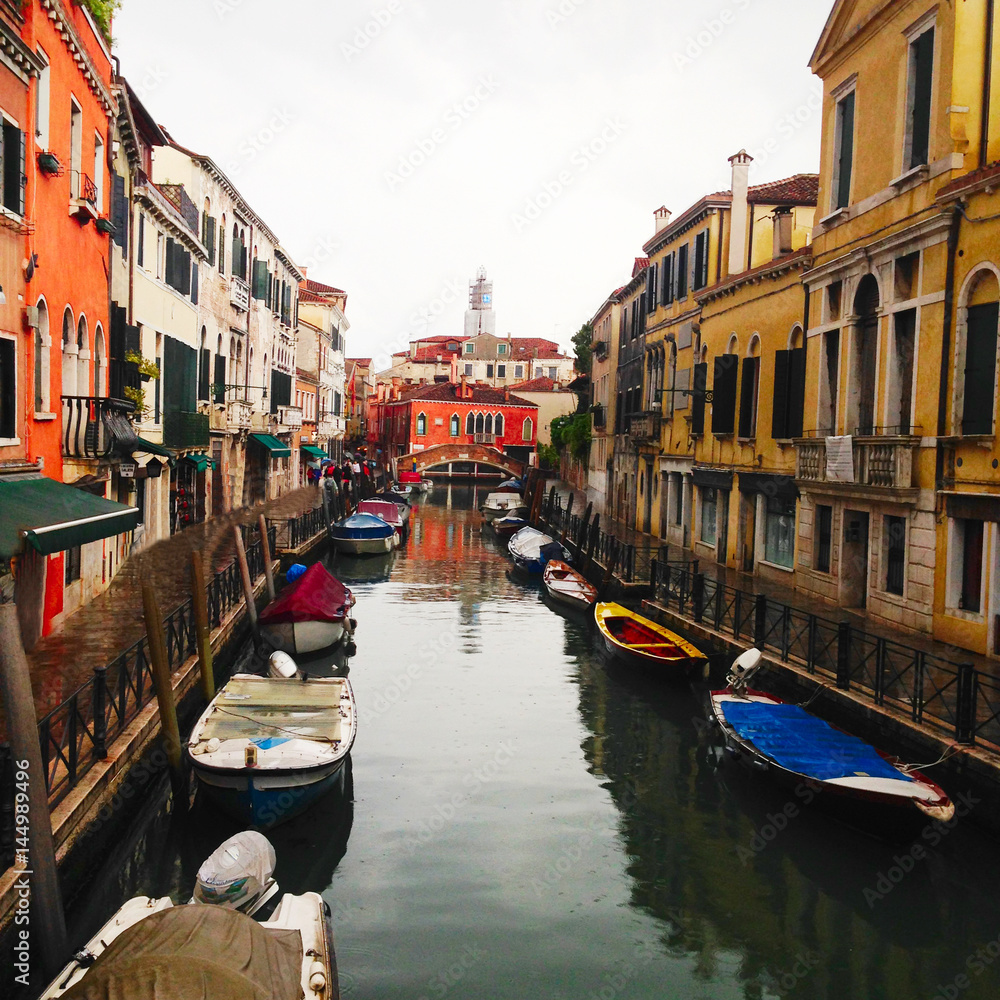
x,y
480,317
553,401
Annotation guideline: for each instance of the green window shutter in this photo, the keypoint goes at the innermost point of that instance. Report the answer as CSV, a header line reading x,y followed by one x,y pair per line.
x,y
194,286
210,240
845,164
260,279
168,275
980,369
219,395
243,262
204,371
22,181
140,247
748,398
222,250
796,393
237,255
724,394
779,411
698,398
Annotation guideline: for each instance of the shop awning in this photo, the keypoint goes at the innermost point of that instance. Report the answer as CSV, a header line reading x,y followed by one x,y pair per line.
x,y
199,461
54,517
151,448
277,448
715,479
317,453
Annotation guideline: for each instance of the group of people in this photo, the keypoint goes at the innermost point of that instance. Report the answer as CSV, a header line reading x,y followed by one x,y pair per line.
x,y
348,472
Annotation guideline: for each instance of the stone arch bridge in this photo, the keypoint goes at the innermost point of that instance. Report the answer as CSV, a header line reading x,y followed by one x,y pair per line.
x,y
461,461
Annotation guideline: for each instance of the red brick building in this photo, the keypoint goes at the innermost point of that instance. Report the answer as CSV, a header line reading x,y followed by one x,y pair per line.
x,y
456,413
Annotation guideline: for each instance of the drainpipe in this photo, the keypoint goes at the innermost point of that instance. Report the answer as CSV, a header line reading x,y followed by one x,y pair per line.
x,y
984,127
949,311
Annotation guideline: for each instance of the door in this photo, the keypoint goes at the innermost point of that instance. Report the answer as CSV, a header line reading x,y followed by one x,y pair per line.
x,y
748,530
218,505
722,513
854,562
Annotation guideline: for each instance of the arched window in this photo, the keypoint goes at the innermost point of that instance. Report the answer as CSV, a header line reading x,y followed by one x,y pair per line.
x,y
488,425
43,345
864,363
83,357
100,364
479,423
421,424
976,353
470,424
69,354
749,386
498,425
456,425
527,429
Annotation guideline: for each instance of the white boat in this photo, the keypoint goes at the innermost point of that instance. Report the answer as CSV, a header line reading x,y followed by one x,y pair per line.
x,y
310,616
152,949
568,587
499,505
531,550
267,748
363,535
388,511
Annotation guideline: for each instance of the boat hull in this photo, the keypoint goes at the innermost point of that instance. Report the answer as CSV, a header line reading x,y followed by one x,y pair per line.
x,y
496,513
364,546
569,588
686,661
305,638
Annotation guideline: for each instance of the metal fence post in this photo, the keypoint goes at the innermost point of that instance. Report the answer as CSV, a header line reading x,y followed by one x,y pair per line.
x,y
737,613
698,596
653,574
879,671
760,621
844,656
100,708
965,709
917,701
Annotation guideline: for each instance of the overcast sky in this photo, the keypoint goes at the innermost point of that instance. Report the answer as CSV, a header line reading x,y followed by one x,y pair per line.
x,y
397,145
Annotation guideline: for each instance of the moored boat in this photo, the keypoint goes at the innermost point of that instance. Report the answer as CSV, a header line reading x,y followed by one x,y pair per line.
x,y
499,505
846,777
415,482
507,526
400,501
639,641
310,616
531,550
387,511
362,534
568,587
267,747
152,949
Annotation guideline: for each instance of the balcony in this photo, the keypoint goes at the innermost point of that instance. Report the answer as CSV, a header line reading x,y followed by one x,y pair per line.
x,y
239,414
93,427
490,439
288,418
880,463
84,197
646,426
185,430
326,427
239,294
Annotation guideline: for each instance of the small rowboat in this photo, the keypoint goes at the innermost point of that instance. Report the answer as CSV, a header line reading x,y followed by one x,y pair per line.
x,y
568,587
362,535
851,780
640,641
310,615
400,501
504,527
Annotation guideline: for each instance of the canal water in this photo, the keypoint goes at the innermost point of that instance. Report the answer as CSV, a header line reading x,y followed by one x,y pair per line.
x,y
525,819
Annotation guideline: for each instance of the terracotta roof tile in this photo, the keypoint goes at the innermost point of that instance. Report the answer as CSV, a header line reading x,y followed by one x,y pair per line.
x,y
320,288
448,392
538,385
802,189
986,173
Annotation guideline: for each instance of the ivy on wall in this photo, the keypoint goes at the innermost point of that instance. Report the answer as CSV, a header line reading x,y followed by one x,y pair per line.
x,y
102,11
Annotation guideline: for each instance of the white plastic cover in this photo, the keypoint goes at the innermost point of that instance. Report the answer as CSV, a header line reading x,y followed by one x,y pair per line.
x,y
237,873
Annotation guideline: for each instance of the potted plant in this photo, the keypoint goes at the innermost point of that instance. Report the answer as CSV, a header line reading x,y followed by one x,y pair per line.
x,y
147,369
105,226
49,163
138,397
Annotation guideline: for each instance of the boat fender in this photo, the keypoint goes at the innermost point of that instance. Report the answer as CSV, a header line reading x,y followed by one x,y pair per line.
x,y
354,623
351,648
281,666
317,977
213,744
294,572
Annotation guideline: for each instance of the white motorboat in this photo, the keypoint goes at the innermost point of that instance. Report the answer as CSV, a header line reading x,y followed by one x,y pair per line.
x,y
499,505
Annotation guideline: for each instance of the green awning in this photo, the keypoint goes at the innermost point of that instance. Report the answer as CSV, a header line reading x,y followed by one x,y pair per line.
x,y
317,453
199,461
151,448
273,445
54,517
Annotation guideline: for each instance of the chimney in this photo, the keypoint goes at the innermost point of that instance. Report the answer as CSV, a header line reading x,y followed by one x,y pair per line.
x,y
662,216
413,349
506,394
462,388
740,214
782,231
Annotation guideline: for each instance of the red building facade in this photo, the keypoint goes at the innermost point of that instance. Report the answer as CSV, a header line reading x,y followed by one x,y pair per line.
x,y
456,413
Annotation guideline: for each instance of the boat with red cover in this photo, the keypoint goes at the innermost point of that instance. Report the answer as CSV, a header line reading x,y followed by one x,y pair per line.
x,y
310,615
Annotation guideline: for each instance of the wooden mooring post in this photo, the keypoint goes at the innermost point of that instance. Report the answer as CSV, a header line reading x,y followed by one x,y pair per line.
x,y
569,511
241,558
265,551
199,605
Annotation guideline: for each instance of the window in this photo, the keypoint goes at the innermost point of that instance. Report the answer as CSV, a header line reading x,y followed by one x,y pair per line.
x,y
980,368
501,349
681,276
456,426
140,247
13,153
824,536
700,271
470,348
895,554
42,113
709,513
667,290
748,397
489,371
918,100
488,424
527,429
8,389
161,255
480,423
75,150
843,152
498,425
99,172
779,531
72,561
518,371
676,494
421,424
501,371
554,374
470,424
468,371
789,393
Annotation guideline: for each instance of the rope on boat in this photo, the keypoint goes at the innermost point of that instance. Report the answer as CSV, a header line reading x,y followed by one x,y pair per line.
x,y
273,725
950,752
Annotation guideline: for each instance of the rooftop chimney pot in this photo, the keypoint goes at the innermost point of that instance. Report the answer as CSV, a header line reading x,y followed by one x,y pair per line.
x,y
740,212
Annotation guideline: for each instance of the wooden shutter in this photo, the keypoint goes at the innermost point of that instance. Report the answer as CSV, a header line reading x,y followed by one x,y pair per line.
x,y
703,274
210,240
748,400
8,389
796,393
920,123
724,394
119,211
203,373
168,276
668,283
194,287
980,369
845,164
22,180
222,250
683,266
140,250
220,379
237,255
779,411
698,398
183,270
243,262
260,280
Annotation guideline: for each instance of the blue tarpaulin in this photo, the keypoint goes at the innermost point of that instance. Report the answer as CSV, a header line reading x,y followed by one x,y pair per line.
x,y
800,742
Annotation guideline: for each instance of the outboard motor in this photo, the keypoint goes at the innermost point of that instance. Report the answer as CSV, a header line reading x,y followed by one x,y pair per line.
x,y
281,666
743,668
239,875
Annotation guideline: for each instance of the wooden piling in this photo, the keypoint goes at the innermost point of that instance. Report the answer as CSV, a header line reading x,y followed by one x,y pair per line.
x,y
569,511
48,929
609,575
595,534
241,558
160,669
265,551
581,538
199,605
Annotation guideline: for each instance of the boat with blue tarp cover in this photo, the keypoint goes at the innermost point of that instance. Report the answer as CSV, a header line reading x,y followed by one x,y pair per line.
x,y
851,779
362,535
531,550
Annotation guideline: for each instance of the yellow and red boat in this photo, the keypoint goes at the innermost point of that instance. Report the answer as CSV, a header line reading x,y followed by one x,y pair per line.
x,y
640,641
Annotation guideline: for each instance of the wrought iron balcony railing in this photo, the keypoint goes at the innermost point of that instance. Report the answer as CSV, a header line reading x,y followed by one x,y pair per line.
x,y
93,427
